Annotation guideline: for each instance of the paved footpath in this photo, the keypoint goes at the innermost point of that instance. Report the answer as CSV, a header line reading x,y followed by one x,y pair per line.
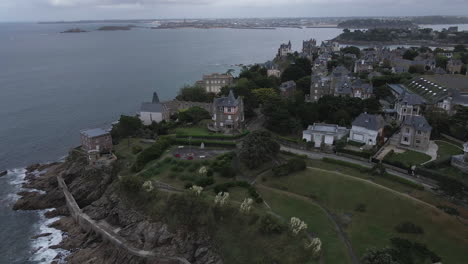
x,y
319,155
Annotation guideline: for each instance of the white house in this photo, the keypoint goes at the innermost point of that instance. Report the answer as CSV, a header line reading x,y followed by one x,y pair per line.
x,y
324,133
367,128
154,111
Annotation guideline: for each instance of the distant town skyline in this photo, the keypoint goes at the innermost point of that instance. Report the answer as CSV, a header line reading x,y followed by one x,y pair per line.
x,y
66,10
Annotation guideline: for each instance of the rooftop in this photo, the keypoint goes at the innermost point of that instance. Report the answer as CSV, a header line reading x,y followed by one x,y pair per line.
x,y
371,122
330,129
94,132
418,122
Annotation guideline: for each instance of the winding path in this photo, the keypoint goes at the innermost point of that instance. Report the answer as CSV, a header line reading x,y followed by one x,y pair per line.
x,y
341,233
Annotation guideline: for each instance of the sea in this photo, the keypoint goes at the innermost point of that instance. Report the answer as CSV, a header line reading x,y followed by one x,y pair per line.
x,y
54,84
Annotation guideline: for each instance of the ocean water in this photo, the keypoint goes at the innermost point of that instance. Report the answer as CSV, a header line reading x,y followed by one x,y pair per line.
x,y
52,85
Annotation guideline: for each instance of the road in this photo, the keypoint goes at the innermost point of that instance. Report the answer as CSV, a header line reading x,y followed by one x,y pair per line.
x,y
319,155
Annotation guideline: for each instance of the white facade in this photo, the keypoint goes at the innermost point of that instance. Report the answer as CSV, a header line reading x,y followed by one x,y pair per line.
x,y
364,135
148,117
324,133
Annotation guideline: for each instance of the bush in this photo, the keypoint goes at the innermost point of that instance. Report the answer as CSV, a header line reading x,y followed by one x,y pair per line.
x,y
292,165
355,143
213,143
131,184
205,181
271,225
404,181
362,154
346,164
151,153
447,185
360,208
449,210
136,149
224,187
409,228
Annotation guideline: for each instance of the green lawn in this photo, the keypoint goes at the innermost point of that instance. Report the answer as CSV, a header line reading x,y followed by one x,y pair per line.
x,y
408,158
444,234
193,131
446,150
334,249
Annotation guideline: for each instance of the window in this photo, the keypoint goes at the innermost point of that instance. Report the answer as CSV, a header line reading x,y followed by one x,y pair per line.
x,y
419,132
405,139
407,130
418,141
316,91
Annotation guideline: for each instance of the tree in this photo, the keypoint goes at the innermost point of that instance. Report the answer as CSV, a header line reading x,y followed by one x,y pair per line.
x,y
378,256
416,69
127,127
410,54
195,94
460,48
193,115
352,50
304,64
441,61
258,147
372,105
303,84
265,94
293,72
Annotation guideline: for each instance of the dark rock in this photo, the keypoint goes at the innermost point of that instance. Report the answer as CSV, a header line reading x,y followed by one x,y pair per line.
x,y
41,235
3,173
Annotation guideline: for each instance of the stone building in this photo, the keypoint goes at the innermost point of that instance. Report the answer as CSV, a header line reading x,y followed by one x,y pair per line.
x,y
415,133
96,139
215,81
319,87
284,50
287,89
461,161
454,66
228,114
309,48
408,104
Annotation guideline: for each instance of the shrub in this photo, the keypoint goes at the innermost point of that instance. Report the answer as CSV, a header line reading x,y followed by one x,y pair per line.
x,y
409,228
449,210
360,208
293,165
346,164
151,153
205,181
271,225
131,184
136,149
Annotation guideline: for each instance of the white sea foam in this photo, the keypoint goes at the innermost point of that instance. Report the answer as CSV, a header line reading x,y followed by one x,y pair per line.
x,y
41,246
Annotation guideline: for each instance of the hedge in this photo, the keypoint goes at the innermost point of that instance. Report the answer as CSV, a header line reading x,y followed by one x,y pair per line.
x,y
214,143
448,185
224,187
151,153
355,153
213,136
404,181
292,165
355,143
365,170
346,164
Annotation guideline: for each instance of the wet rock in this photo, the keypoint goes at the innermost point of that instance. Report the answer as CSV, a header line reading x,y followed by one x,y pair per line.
x,y
41,235
3,173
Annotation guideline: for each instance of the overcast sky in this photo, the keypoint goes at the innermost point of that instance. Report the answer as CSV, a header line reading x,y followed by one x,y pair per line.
x,y
40,10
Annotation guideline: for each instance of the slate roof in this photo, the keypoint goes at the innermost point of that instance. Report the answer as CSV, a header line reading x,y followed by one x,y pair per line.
x,y
329,129
94,132
397,88
418,123
368,121
411,99
288,85
151,107
229,101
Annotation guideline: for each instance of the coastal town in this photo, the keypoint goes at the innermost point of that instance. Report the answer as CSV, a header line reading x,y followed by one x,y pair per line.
x,y
329,154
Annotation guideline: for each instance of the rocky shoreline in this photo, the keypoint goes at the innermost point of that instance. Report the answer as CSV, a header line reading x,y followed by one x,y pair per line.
x,y
95,193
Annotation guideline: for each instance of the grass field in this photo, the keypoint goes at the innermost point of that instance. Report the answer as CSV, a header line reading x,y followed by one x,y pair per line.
x,y
408,158
316,219
193,131
446,150
385,209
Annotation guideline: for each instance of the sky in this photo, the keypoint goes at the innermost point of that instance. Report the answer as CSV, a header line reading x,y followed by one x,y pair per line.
x,y
58,10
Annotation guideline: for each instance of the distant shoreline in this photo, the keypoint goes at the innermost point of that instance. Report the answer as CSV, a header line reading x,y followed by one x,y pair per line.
x,y
396,43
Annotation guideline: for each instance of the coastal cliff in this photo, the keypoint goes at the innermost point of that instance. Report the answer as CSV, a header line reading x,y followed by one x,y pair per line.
x,y
96,193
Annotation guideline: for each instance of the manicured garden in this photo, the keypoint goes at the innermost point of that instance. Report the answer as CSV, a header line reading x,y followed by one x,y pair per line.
x,y
447,150
383,210
407,158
